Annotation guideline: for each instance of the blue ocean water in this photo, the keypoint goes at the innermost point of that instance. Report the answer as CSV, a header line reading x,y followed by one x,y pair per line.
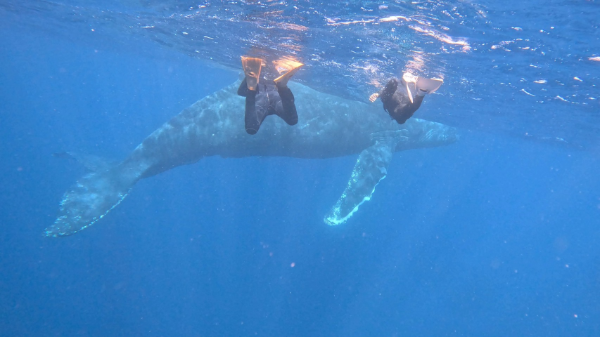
x,y
495,235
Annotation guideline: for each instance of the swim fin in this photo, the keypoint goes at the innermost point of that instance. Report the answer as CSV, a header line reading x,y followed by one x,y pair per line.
x,y
251,67
427,86
283,79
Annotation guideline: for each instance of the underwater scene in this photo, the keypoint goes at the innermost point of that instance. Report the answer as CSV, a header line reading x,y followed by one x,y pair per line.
x,y
299,168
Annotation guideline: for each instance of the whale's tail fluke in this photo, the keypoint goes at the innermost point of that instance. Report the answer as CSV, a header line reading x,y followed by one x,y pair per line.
x,y
90,199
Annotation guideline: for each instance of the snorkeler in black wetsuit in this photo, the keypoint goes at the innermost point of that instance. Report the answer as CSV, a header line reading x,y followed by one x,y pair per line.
x,y
402,102
264,98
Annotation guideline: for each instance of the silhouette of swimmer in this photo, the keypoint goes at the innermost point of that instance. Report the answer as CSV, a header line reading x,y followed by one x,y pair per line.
x,y
266,97
402,101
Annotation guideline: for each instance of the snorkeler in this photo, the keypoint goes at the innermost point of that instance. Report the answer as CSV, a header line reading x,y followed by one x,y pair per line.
x,y
402,102
264,97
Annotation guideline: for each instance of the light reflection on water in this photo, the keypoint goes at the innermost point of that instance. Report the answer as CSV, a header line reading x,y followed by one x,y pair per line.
x,y
496,63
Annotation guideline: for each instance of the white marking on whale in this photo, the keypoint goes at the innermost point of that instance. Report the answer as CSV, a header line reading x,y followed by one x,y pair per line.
x,y
329,126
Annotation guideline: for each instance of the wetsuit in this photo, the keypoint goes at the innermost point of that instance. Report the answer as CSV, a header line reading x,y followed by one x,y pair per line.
x,y
269,98
397,103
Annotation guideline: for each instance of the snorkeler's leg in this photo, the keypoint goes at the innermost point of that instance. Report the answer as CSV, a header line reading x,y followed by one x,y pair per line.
x,y
256,110
417,102
243,89
401,115
288,108
251,119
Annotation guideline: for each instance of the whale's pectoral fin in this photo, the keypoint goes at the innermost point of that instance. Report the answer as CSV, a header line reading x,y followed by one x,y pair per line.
x,y
369,170
90,199
89,162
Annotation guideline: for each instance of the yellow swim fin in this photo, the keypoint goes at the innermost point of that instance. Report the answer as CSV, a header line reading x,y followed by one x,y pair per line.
x,y
283,79
251,66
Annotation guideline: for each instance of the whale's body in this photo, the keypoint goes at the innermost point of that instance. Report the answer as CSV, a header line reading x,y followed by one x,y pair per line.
x,y
329,126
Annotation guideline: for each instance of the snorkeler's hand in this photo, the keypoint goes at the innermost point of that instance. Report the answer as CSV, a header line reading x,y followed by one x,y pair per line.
x,y
373,97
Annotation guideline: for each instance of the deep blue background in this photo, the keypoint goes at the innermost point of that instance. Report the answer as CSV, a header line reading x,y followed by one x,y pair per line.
x,y
490,236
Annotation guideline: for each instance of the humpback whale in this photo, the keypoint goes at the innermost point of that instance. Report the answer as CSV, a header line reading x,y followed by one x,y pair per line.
x,y
329,126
